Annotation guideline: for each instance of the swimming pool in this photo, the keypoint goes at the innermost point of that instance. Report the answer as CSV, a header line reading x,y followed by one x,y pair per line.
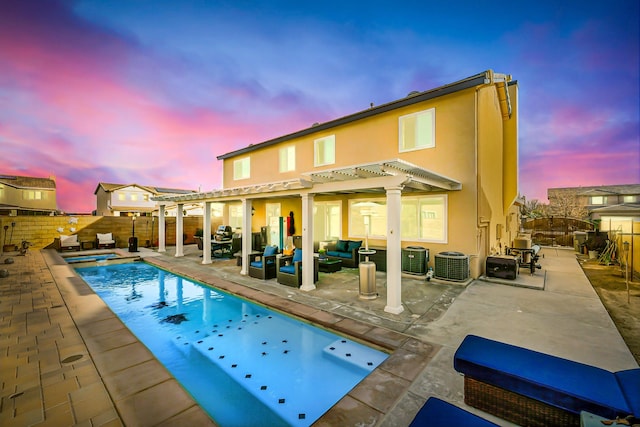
x,y
243,363
96,257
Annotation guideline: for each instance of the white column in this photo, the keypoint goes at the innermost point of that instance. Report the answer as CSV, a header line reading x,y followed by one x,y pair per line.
x,y
394,275
206,234
307,243
162,240
246,235
179,231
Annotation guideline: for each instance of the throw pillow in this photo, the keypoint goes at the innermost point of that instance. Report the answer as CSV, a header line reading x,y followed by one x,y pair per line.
x,y
342,246
354,245
297,255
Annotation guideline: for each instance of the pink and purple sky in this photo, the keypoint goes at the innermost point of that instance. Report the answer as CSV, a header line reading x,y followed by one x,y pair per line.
x,y
150,92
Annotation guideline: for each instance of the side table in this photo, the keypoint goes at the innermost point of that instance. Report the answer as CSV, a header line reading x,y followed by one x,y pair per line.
x,y
87,244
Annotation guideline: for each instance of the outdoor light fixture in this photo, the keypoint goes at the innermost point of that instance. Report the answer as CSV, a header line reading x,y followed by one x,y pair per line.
x,y
253,211
133,240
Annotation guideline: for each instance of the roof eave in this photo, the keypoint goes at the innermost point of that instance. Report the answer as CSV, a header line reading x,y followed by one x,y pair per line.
x,y
469,82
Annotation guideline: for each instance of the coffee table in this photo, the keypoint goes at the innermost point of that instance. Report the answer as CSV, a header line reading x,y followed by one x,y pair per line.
x,y
329,265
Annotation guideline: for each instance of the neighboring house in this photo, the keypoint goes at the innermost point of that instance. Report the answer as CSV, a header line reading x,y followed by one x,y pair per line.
x,y
26,195
129,199
437,169
593,199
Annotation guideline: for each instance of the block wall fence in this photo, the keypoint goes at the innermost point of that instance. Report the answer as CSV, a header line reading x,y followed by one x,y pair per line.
x,y
42,231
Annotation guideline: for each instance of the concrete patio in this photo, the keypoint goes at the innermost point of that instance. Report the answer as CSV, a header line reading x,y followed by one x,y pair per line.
x,y
67,360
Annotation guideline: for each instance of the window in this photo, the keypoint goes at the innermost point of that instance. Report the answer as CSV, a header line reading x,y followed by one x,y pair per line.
x,y
122,197
235,216
32,195
417,131
242,168
134,197
288,159
327,221
368,217
625,199
324,151
424,218
598,200
145,197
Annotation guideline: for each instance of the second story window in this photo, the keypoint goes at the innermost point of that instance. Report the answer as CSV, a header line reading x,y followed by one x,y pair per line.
x,y
288,159
242,168
598,200
417,131
625,199
32,195
324,151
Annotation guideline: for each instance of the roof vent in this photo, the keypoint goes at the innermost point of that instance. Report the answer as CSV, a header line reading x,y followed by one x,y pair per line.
x,y
315,124
413,93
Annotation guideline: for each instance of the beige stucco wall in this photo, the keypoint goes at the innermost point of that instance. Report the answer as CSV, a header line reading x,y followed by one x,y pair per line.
x,y
484,162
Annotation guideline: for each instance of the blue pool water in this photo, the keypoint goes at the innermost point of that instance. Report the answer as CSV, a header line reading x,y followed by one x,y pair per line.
x,y
100,257
244,364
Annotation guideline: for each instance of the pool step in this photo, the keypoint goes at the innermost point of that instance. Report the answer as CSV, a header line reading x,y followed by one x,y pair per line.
x,y
353,354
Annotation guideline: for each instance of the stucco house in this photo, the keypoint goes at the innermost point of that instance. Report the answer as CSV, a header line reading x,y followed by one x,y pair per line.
x,y
128,199
27,195
436,169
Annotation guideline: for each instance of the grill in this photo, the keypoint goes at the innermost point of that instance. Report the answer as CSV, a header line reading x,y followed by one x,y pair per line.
x,y
451,266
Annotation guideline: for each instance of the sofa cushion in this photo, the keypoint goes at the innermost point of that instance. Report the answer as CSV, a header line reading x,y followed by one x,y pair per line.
x,y
629,381
342,246
256,264
69,240
106,237
297,255
270,250
559,382
289,269
439,413
339,254
353,245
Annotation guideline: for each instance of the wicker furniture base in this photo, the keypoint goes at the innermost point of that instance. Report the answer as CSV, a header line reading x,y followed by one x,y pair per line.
x,y
514,407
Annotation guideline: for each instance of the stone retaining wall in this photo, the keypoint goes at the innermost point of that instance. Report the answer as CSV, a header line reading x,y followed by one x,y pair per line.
x,y
42,231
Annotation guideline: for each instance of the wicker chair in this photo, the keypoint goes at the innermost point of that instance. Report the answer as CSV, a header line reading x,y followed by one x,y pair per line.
x,y
290,269
263,266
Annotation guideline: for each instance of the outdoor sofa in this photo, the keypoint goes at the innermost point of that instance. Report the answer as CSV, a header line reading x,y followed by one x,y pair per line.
x,y
530,388
346,251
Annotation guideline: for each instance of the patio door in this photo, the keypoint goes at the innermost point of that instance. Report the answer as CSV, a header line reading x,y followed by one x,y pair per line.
x,y
273,215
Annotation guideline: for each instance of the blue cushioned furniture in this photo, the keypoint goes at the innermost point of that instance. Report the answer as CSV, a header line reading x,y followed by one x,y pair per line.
x,y
346,251
263,266
438,413
289,271
531,388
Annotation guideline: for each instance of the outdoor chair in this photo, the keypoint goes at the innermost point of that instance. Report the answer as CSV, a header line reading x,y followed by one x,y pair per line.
x,y
69,243
263,266
290,269
105,240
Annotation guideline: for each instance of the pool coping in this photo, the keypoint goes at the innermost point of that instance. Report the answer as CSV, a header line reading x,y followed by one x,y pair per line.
x,y
118,355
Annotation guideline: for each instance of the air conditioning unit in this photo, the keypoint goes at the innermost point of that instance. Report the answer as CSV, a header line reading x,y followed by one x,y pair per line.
x,y
451,266
414,260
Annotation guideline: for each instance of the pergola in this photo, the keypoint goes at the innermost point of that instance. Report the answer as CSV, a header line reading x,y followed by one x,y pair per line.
x,y
391,178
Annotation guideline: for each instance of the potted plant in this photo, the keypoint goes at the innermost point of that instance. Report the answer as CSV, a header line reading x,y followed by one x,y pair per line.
x,y
322,253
